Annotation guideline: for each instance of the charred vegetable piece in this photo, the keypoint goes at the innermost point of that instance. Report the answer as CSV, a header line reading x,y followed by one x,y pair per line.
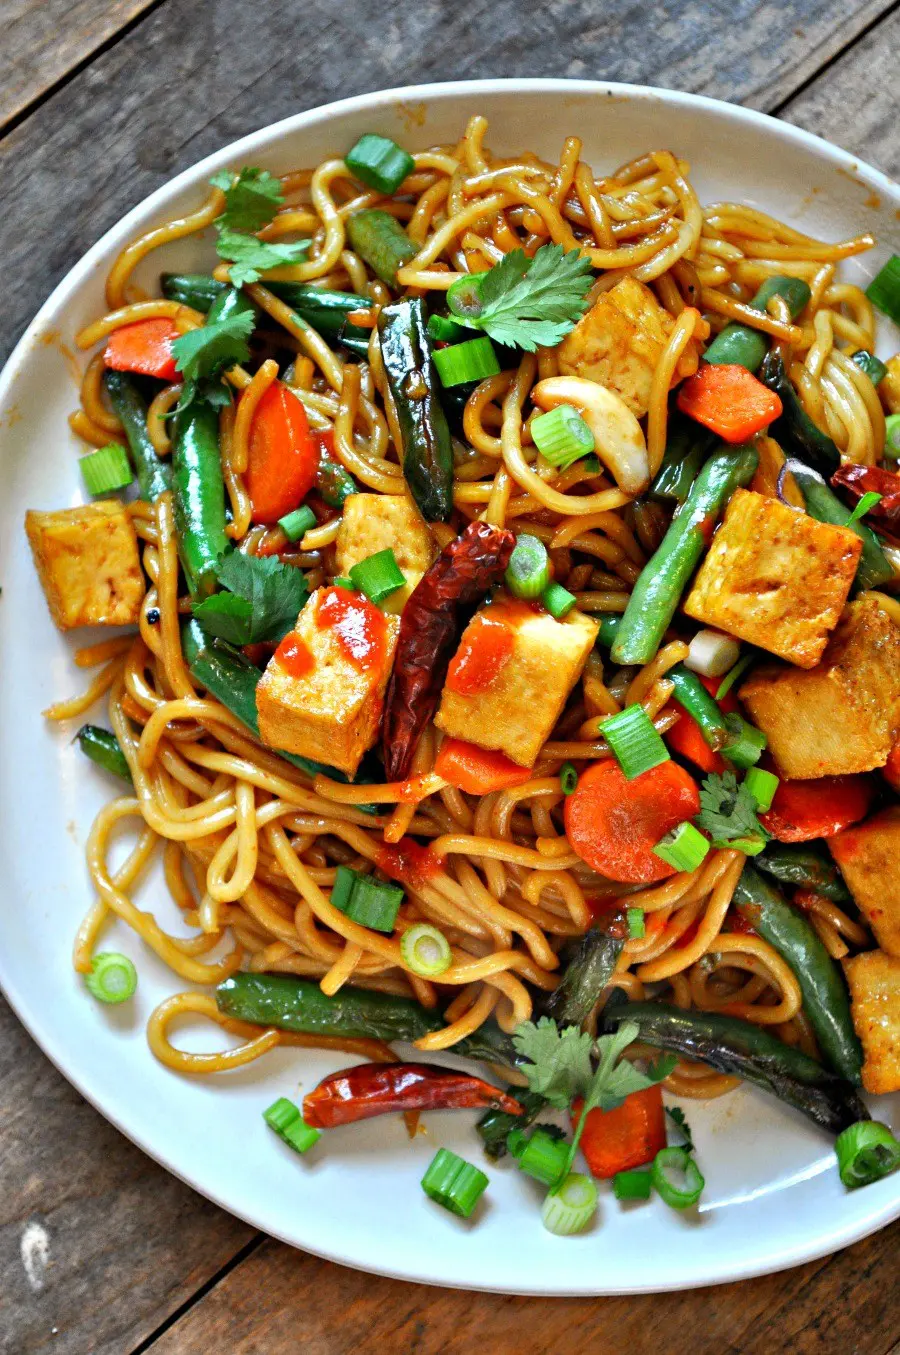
x,y
432,622
825,506
300,1005
743,1050
381,241
884,516
825,999
427,451
590,964
495,1125
687,447
805,867
333,482
153,475
795,431
372,1089
658,590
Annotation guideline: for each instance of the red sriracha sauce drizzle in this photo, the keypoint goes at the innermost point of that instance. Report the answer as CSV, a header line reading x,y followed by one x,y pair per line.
x,y
408,862
485,650
293,655
358,626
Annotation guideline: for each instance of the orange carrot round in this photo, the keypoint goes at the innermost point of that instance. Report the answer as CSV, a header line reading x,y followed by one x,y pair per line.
x,y
802,810
283,457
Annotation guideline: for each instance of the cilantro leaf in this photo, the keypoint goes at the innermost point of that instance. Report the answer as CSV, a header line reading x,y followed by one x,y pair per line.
x,y
526,303
677,1116
252,198
251,257
262,604
559,1066
202,353
728,810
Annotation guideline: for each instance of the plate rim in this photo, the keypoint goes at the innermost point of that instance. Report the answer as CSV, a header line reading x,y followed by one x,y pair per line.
x,y
836,1237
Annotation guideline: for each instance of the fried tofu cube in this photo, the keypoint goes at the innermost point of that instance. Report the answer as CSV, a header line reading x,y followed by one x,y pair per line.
x,y
88,563
322,693
376,522
775,577
509,695
618,344
867,855
874,982
843,715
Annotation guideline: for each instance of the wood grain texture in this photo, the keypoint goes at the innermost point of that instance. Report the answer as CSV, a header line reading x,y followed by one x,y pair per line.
x,y
175,88
126,1243
280,1301
44,39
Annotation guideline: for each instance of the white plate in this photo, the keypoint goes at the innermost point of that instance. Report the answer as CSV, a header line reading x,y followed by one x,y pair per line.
x,y
773,1197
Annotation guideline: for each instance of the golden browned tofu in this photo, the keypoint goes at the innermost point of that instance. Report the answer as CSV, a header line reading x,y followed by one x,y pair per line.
x,y
322,693
375,522
889,388
868,854
88,562
775,577
843,715
509,696
619,341
874,981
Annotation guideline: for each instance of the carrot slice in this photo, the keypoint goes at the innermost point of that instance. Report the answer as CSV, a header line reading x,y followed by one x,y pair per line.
x,y
629,1136
144,347
686,739
476,770
283,458
729,400
802,810
614,824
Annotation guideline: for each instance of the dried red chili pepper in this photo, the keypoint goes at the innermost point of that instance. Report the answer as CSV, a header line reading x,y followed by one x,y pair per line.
x,y
372,1089
860,480
433,621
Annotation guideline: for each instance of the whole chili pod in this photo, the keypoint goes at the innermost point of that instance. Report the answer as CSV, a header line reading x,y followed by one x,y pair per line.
x,y
859,480
432,622
371,1089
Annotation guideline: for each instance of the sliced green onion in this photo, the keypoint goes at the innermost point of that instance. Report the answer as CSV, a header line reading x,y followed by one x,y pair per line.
x,y
892,437
747,742
677,1177
873,367
297,524
867,501
570,1207
426,950
636,922
632,1185
453,1182
684,847
568,778
106,469
285,1118
464,297
592,465
541,1155
444,330
635,742
712,653
528,571
750,846
470,361
379,162
377,576
558,600
762,785
884,289
341,582
731,678
365,900
562,436
112,977
342,888
103,748
609,629
866,1152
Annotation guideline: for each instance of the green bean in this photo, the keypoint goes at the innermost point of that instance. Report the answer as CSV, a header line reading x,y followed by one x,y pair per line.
x,y
198,290
333,482
825,506
299,1005
693,697
740,1049
745,346
198,492
873,367
658,590
795,863
687,446
794,430
381,242
153,475
590,963
609,629
427,449
825,999
102,747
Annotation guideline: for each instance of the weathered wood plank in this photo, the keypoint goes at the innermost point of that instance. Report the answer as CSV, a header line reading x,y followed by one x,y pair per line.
x,y
45,39
98,1245
855,102
279,1300
167,94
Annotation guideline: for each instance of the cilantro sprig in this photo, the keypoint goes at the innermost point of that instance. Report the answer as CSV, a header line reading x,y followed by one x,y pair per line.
x,y
728,811
262,603
561,1068
250,257
526,302
201,354
252,198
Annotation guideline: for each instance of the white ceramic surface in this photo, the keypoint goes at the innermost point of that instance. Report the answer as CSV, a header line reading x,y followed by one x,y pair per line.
x,y
773,1197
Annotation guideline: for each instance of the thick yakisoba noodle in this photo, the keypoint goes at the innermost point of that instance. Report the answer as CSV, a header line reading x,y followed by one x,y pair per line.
x,y
250,844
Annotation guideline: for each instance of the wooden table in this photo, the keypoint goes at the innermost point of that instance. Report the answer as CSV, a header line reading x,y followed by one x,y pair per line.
x,y
100,102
